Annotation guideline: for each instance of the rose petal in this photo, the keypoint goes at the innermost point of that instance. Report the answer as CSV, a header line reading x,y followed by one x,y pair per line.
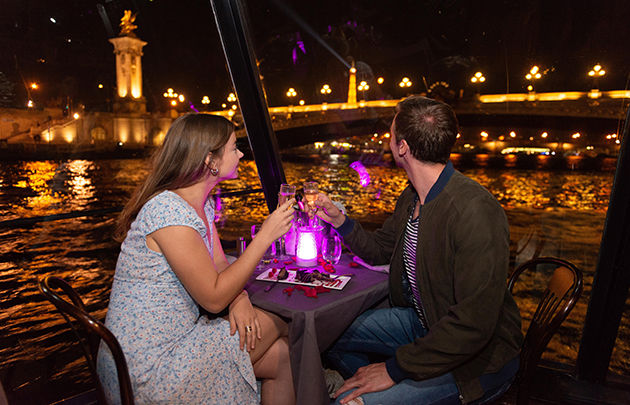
x,y
354,264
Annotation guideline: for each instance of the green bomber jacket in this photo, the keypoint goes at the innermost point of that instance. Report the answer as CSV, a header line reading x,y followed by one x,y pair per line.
x,y
474,325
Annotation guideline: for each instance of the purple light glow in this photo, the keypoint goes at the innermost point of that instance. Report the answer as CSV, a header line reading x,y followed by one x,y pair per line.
x,y
306,249
294,56
192,107
364,177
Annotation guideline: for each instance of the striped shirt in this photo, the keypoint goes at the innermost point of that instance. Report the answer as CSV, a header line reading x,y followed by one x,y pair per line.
x,y
409,258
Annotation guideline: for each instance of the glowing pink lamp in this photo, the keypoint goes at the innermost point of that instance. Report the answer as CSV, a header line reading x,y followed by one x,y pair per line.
x,y
306,246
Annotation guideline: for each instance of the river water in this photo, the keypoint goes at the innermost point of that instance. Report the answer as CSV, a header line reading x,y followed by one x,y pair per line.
x,y
552,210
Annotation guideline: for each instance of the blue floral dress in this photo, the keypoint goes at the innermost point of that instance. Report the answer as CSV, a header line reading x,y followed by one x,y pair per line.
x,y
174,355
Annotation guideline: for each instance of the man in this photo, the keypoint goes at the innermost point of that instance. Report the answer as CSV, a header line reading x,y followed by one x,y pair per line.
x,y
453,332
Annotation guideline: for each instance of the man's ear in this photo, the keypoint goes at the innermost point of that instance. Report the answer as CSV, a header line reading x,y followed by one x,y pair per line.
x,y
403,148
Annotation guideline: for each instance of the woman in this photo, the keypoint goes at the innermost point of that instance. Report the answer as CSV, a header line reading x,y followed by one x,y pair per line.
x,y
171,261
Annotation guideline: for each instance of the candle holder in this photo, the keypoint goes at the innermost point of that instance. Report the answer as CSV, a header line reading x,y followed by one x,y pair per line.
x,y
306,245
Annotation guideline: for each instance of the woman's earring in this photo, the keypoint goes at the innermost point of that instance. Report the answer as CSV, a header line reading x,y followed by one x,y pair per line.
x,y
214,171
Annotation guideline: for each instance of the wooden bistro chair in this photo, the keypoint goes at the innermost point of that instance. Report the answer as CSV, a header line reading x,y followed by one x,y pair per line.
x,y
89,333
560,296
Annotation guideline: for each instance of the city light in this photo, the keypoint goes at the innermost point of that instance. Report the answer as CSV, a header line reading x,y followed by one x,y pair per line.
x,y
353,69
575,135
512,134
205,100
380,80
100,85
30,104
478,78
484,134
534,74
76,116
301,102
325,89
597,71
291,92
363,86
544,135
34,86
173,96
405,82
231,97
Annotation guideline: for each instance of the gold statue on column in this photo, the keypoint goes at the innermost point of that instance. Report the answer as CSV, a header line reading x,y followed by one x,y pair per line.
x,y
127,24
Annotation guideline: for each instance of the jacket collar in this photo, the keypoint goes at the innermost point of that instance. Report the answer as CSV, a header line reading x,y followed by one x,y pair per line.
x,y
440,183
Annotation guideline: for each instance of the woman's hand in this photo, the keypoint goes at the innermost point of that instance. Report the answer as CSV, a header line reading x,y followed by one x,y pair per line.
x,y
278,222
244,319
328,211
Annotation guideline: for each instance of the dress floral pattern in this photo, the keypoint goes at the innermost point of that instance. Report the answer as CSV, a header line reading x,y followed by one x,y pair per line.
x,y
174,355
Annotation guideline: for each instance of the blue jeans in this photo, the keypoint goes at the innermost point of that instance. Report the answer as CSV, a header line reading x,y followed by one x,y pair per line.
x,y
376,334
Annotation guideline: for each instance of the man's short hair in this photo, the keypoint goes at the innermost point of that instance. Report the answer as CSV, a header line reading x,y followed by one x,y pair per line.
x,y
428,126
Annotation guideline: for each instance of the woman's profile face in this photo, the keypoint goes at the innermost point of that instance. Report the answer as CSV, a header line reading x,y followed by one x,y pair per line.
x,y
228,162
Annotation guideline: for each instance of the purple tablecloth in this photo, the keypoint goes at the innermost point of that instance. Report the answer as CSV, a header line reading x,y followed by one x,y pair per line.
x,y
315,323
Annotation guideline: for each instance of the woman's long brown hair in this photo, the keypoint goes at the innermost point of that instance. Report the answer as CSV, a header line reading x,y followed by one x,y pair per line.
x,y
179,162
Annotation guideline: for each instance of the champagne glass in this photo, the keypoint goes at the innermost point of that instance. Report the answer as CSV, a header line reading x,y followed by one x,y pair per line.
x,y
331,248
310,193
287,192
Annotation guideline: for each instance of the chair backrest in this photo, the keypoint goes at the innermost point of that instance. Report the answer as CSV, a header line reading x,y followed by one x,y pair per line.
x,y
89,334
563,290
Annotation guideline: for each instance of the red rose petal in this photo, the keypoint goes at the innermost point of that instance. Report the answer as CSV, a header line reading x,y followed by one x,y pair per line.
x,y
354,264
329,268
275,260
288,261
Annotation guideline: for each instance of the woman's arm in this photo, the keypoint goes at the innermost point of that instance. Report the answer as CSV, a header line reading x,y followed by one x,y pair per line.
x,y
189,258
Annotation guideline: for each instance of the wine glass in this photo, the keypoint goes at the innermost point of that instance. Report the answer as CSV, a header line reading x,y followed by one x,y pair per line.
x,y
287,192
310,193
331,248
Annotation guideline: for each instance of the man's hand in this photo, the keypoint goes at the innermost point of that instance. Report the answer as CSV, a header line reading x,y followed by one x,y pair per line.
x,y
370,378
328,211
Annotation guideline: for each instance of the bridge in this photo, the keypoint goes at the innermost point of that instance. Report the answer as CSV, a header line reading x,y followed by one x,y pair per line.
x,y
598,115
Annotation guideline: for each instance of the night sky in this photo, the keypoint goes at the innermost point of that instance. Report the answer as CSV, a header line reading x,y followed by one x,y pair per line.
x,y
428,41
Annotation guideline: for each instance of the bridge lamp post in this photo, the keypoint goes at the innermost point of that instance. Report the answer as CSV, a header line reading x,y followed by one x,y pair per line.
x,y
325,90
533,75
205,101
596,72
173,98
405,83
477,79
363,87
291,94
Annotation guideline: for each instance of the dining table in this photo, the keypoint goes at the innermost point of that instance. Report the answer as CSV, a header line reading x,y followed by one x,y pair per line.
x,y
316,322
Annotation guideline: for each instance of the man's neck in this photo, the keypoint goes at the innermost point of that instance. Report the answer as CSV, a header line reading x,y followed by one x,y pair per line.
x,y
423,176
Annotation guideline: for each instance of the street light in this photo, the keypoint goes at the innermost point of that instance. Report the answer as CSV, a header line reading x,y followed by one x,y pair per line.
x,y
596,72
231,97
363,87
405,82
534,74
205,100
478,78
380,80
34,86
291,93
325,90
169,94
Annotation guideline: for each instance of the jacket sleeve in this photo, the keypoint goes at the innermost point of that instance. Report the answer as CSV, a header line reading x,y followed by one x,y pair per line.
x,y
480,242
375,247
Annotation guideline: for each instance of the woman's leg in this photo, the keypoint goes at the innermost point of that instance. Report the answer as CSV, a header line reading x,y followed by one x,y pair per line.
x,y
271,360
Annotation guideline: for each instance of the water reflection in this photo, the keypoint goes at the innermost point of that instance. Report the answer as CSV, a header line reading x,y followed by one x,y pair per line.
x,y
557,213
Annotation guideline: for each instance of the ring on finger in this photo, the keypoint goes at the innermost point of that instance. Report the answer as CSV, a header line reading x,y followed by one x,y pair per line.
x,y
248,328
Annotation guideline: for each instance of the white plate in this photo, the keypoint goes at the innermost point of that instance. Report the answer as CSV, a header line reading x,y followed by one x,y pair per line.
x,y
337,284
